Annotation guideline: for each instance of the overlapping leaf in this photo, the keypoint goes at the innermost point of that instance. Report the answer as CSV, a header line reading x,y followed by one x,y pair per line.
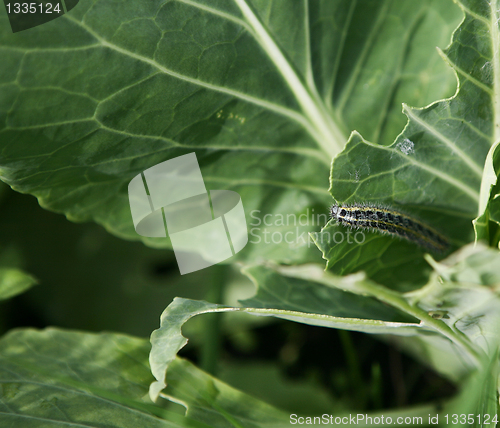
x,y
263,93
457,313
67,378
434,169
467,297
303,289
168,339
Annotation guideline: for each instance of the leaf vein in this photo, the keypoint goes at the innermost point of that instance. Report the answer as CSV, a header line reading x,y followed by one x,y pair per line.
x,y
467,160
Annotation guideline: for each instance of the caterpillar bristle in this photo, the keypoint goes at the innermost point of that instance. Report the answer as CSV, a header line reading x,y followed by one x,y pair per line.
x,y
387,220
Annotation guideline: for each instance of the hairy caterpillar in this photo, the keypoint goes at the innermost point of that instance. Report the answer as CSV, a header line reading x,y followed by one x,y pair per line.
x,y
389,221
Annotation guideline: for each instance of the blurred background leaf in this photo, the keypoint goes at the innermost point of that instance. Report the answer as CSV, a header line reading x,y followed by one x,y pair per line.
x,y
14,281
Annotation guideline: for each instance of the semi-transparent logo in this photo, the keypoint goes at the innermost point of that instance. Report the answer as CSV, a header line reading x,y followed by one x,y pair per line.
x,y
205,227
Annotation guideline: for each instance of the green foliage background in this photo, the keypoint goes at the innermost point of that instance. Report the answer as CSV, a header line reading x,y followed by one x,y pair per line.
x,y
290,105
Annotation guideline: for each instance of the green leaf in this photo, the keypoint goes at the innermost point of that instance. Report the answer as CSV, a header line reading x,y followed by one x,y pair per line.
x,y
68,378
168,339
458,313
395,263
303,289
72,379
487,224
434,169
478,395
467,291
461,301
265,95
469,294
403,302
13,282
216,404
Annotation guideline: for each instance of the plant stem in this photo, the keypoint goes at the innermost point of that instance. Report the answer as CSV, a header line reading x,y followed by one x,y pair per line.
x,y
396,300
212,332
352,360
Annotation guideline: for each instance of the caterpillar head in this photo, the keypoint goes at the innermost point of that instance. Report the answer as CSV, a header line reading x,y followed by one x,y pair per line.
x,y
334,210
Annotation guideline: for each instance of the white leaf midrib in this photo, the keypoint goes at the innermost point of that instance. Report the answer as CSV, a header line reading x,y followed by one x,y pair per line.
x,y
279,109
469,191
331,137
450,144
489,175
314,116
495,34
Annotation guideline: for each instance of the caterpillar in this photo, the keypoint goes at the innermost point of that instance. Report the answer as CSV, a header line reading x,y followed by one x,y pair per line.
x,y
387,220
